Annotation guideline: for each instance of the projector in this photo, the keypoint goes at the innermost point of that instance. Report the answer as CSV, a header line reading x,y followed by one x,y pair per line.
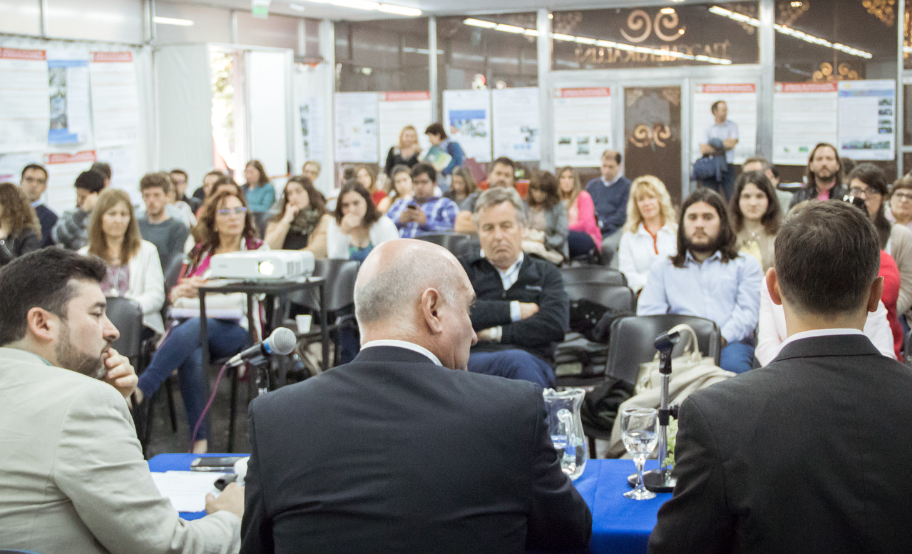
x,y
262,264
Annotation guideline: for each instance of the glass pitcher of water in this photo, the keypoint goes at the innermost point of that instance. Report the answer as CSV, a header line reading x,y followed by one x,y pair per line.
x,y
566,428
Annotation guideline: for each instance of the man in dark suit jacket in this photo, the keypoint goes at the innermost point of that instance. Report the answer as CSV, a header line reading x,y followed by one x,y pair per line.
x,y
400,451
807,454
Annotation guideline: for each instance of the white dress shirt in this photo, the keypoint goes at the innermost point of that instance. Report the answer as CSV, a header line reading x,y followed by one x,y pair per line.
x,y
403,344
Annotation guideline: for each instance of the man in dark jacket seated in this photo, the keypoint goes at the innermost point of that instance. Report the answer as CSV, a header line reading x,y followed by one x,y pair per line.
x,y
522,311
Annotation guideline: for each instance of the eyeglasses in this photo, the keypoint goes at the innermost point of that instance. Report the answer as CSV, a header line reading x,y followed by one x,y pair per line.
x,y
902,196
858,191
232,211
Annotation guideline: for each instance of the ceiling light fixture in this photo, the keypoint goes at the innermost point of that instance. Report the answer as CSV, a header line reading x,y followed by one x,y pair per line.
x,y
367,5
296,7
399,10
173,21
667,11
792,33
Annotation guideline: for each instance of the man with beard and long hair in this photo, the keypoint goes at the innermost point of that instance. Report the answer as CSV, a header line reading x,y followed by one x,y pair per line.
x,y
823,176
74,478
708,278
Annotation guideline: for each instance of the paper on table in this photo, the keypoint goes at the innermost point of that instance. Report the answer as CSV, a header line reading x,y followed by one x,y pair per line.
x,y
186,489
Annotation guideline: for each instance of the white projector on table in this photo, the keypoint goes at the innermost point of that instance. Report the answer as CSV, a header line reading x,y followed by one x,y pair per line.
x,y
262,264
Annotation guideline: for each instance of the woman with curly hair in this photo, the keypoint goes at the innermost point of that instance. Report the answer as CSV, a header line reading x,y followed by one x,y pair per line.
x,y
20,232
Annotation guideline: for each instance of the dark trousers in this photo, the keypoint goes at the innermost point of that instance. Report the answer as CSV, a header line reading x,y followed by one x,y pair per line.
x,y
579,244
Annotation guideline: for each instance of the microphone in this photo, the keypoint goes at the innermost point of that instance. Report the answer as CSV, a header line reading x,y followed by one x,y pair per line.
x,y
281,341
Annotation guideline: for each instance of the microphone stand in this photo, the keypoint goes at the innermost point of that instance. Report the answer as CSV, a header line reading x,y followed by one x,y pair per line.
x,y
262,377
661,480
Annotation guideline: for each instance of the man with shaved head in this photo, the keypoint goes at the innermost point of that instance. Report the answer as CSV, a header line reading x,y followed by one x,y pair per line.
x,y
403,450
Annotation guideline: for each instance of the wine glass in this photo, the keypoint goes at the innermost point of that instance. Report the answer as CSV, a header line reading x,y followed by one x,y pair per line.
x,y
639,428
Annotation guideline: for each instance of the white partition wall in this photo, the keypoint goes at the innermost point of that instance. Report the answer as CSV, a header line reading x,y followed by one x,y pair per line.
x,y
267,114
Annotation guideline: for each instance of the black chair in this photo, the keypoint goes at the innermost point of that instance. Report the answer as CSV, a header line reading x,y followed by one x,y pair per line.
x,y
456,243
340,278
907,348
171,271
616,297
593,274
126,315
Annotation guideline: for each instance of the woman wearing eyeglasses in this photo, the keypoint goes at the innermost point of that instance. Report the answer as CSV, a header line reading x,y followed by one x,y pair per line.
x,y
224,226
900,208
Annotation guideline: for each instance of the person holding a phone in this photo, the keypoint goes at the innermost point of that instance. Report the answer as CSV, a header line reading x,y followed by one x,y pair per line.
x,y
425,213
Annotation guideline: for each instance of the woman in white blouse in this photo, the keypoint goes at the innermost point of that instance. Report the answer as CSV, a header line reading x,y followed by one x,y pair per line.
x,y
134,270
650,232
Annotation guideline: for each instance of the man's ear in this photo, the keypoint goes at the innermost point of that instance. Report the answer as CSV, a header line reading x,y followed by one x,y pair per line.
x,y
772,283
877,288
42,324
431,303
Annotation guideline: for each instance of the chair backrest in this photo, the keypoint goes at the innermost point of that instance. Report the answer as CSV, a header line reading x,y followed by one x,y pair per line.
x,y
593,274
616,297
340,278
172,272
126,315
632,341
456,243
261,219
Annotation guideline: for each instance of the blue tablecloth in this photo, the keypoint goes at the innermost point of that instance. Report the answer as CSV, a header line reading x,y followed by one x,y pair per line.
x,y
619,525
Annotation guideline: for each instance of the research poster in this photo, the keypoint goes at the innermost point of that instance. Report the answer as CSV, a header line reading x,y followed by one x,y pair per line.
x,y
804,114
24,106
867,119
741,100
11,165
310,111
68,91
516,123
124,169
356,127
467,115
63,168
582,126
398,109
115,98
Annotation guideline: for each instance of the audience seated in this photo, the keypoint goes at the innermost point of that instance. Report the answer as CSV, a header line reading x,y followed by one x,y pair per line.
x,y
521,300
442,147
868,182
756,217
301,222
397,452
425,213
502,174
74,478
357,227
72,229
20,232
225,226
463,189
650,232
33,183
258,191
205,191
366,175
768,169
823,176
156,226
105,169
899,210
708,278
311,169
546,230
133,267
405,153
399,185
793,457
584,236
180,179
609,193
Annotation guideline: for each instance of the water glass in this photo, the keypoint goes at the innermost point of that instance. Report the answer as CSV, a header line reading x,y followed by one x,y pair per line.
x,y
639,430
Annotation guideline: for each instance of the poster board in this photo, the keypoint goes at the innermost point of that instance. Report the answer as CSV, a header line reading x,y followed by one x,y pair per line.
x,y
24,100
356,127
516,123
62,172
741,99
68,91
467,117
115,99
867,119
582,126
804,114
398,109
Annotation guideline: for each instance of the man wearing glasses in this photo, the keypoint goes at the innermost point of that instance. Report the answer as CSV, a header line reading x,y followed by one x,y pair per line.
x,y
426,213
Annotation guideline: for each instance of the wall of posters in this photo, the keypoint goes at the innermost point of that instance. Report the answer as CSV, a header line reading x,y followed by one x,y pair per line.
x,y
356,127
398,109
467,115
24,101
741,99
68,91
582,126
115,99
310,113
62,172
804,114
124,169
517,123
867,119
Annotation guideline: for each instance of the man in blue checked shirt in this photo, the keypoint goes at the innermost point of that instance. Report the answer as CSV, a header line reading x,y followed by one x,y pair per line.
x,y
709,278
426,213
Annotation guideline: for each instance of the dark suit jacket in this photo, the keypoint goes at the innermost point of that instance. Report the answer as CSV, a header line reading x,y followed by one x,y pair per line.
x,y
394,454
539,282
809,454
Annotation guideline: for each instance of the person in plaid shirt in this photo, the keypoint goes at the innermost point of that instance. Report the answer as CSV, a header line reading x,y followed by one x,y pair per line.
x,y
425,213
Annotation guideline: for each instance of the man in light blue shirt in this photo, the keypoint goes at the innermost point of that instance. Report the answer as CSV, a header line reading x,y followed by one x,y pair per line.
x,y
722,137
708,278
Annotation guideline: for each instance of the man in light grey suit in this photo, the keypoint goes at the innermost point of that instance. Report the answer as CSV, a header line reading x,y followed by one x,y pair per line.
x,y
72,476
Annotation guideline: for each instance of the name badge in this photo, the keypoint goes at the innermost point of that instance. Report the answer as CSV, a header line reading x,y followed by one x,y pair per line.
x,y
533,287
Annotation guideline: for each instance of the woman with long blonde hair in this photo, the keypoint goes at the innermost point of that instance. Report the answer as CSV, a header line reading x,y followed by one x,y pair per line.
x,y
585,235
650,232
405,153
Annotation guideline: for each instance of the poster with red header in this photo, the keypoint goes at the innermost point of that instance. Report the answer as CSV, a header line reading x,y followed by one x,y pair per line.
x,y
741,102
582,125
63,168
399,109
25,109
115,98
804,114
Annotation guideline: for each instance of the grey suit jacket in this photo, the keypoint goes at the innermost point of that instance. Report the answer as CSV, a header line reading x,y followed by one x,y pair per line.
x,y
72,475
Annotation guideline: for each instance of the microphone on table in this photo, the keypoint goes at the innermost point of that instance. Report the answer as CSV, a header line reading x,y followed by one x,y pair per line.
x,y
281,341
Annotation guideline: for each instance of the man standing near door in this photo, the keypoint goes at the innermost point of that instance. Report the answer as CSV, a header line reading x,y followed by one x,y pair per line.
x,y
721,138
